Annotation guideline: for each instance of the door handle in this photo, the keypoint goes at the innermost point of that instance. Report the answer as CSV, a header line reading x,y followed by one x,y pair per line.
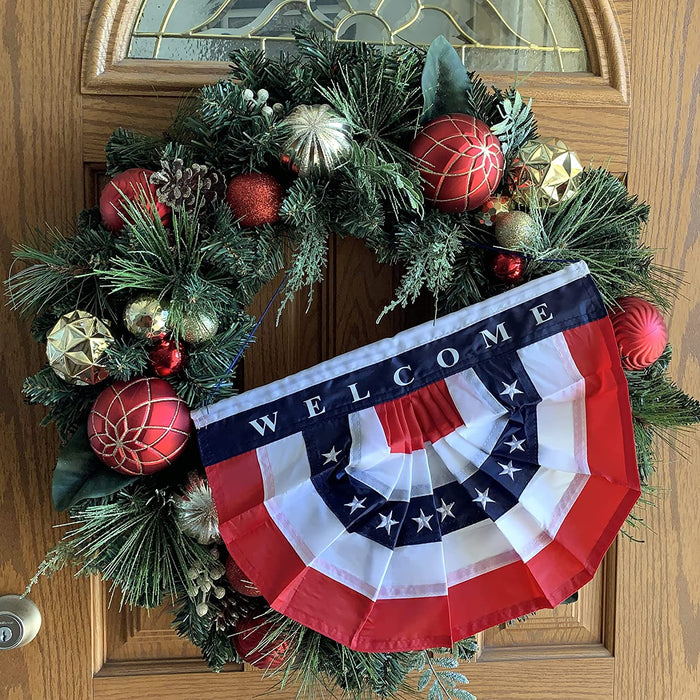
x,y
20,621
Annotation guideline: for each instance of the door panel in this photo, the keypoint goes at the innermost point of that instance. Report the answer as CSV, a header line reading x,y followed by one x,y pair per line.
x,y
603,646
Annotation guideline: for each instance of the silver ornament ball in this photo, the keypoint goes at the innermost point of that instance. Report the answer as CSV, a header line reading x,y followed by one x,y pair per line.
x,y
319,140
195,512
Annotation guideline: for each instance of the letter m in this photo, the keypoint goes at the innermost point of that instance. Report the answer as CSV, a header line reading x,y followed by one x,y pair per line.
x,y
491,338
261,424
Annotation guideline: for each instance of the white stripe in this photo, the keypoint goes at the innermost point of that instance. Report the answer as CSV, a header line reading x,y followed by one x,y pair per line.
x,y
561,416
389,347
475,550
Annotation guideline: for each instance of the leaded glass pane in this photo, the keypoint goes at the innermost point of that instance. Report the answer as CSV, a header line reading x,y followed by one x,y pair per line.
x,y
524,35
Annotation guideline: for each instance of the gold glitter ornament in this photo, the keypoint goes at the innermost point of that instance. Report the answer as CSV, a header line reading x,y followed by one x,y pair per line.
x,y
515,229
319,140
146,317
196,328
75,345
546,172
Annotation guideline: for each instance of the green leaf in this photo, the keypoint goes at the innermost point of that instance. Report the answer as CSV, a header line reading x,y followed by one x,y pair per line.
x,y
460,694
435,693
452,678
424,679
446,661
79,474
445,81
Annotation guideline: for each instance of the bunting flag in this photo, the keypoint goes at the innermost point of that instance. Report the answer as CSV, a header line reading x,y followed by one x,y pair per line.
x,y
425,487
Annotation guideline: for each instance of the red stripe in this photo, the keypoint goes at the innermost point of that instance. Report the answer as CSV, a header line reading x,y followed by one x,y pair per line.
x,y
236,484
609,431
424,415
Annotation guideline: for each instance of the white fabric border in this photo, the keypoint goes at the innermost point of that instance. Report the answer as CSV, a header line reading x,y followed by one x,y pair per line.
x,y
389,347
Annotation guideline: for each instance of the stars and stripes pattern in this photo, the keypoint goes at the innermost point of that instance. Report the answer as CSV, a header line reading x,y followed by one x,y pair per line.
x,y
431,485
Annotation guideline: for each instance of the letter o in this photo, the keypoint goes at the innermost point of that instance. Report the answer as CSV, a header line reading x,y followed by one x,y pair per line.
x,y
441,360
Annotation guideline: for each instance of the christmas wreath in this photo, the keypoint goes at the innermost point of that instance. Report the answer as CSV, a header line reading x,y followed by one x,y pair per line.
x,y
142,307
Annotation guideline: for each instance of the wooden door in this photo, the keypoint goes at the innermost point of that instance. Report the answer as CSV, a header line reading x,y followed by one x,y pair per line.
x,y
66,85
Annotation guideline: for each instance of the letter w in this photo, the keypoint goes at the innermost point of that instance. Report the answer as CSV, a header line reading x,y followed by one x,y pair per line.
x,y
266,421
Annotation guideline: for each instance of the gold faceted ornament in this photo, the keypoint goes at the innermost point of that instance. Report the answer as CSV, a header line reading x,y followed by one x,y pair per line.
x,y
196,328
146,317
546,173
319,140
75,345
515,229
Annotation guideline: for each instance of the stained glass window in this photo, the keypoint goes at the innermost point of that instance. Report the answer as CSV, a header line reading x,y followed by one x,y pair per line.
x,y
523,35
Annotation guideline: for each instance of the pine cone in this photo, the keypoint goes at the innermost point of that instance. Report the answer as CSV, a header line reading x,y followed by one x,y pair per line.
x,y
178,185
231,608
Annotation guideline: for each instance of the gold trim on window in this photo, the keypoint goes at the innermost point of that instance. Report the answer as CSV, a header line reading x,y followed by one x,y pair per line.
x,y
343,14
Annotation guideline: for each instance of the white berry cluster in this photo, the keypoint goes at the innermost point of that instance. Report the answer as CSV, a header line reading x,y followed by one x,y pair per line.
x,y
259,101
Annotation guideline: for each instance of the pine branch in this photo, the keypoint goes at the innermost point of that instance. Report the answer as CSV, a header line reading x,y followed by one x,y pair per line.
x,y
128,149
601,225
133,541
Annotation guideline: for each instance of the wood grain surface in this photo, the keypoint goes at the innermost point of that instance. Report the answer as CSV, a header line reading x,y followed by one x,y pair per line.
x,y
635,634
40,140
658,628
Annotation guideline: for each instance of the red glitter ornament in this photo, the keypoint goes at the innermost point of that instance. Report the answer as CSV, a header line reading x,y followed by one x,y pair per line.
x,y
247,638
140,426
131,185
507,267
640,332
167,357
255,199
239,581
460,160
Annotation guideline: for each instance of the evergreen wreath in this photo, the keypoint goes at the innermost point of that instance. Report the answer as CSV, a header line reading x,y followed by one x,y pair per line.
x,y
165,270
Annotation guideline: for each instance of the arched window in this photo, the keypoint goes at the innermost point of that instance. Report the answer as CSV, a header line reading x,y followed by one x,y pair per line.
x,y
499,35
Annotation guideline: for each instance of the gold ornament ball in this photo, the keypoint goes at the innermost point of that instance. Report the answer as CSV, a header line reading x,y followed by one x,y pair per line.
x,y
515,229
196,328
319,140
146,317
75,345
547,172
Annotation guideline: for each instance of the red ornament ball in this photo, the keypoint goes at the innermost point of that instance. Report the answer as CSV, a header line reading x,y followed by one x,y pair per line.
x,y
130,185
247,638
507,267
255,199
167,357
460,160
139,427
239,581
640,332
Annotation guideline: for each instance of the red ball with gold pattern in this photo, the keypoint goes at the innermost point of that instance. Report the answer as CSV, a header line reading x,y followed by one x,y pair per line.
x,y
130,186
460,161
139,427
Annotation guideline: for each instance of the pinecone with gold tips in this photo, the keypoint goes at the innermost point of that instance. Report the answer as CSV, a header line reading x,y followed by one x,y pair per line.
x,y
233,607
177,185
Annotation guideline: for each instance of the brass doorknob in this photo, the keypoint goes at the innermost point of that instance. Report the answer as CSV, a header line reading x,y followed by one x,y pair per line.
x,y
20,621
